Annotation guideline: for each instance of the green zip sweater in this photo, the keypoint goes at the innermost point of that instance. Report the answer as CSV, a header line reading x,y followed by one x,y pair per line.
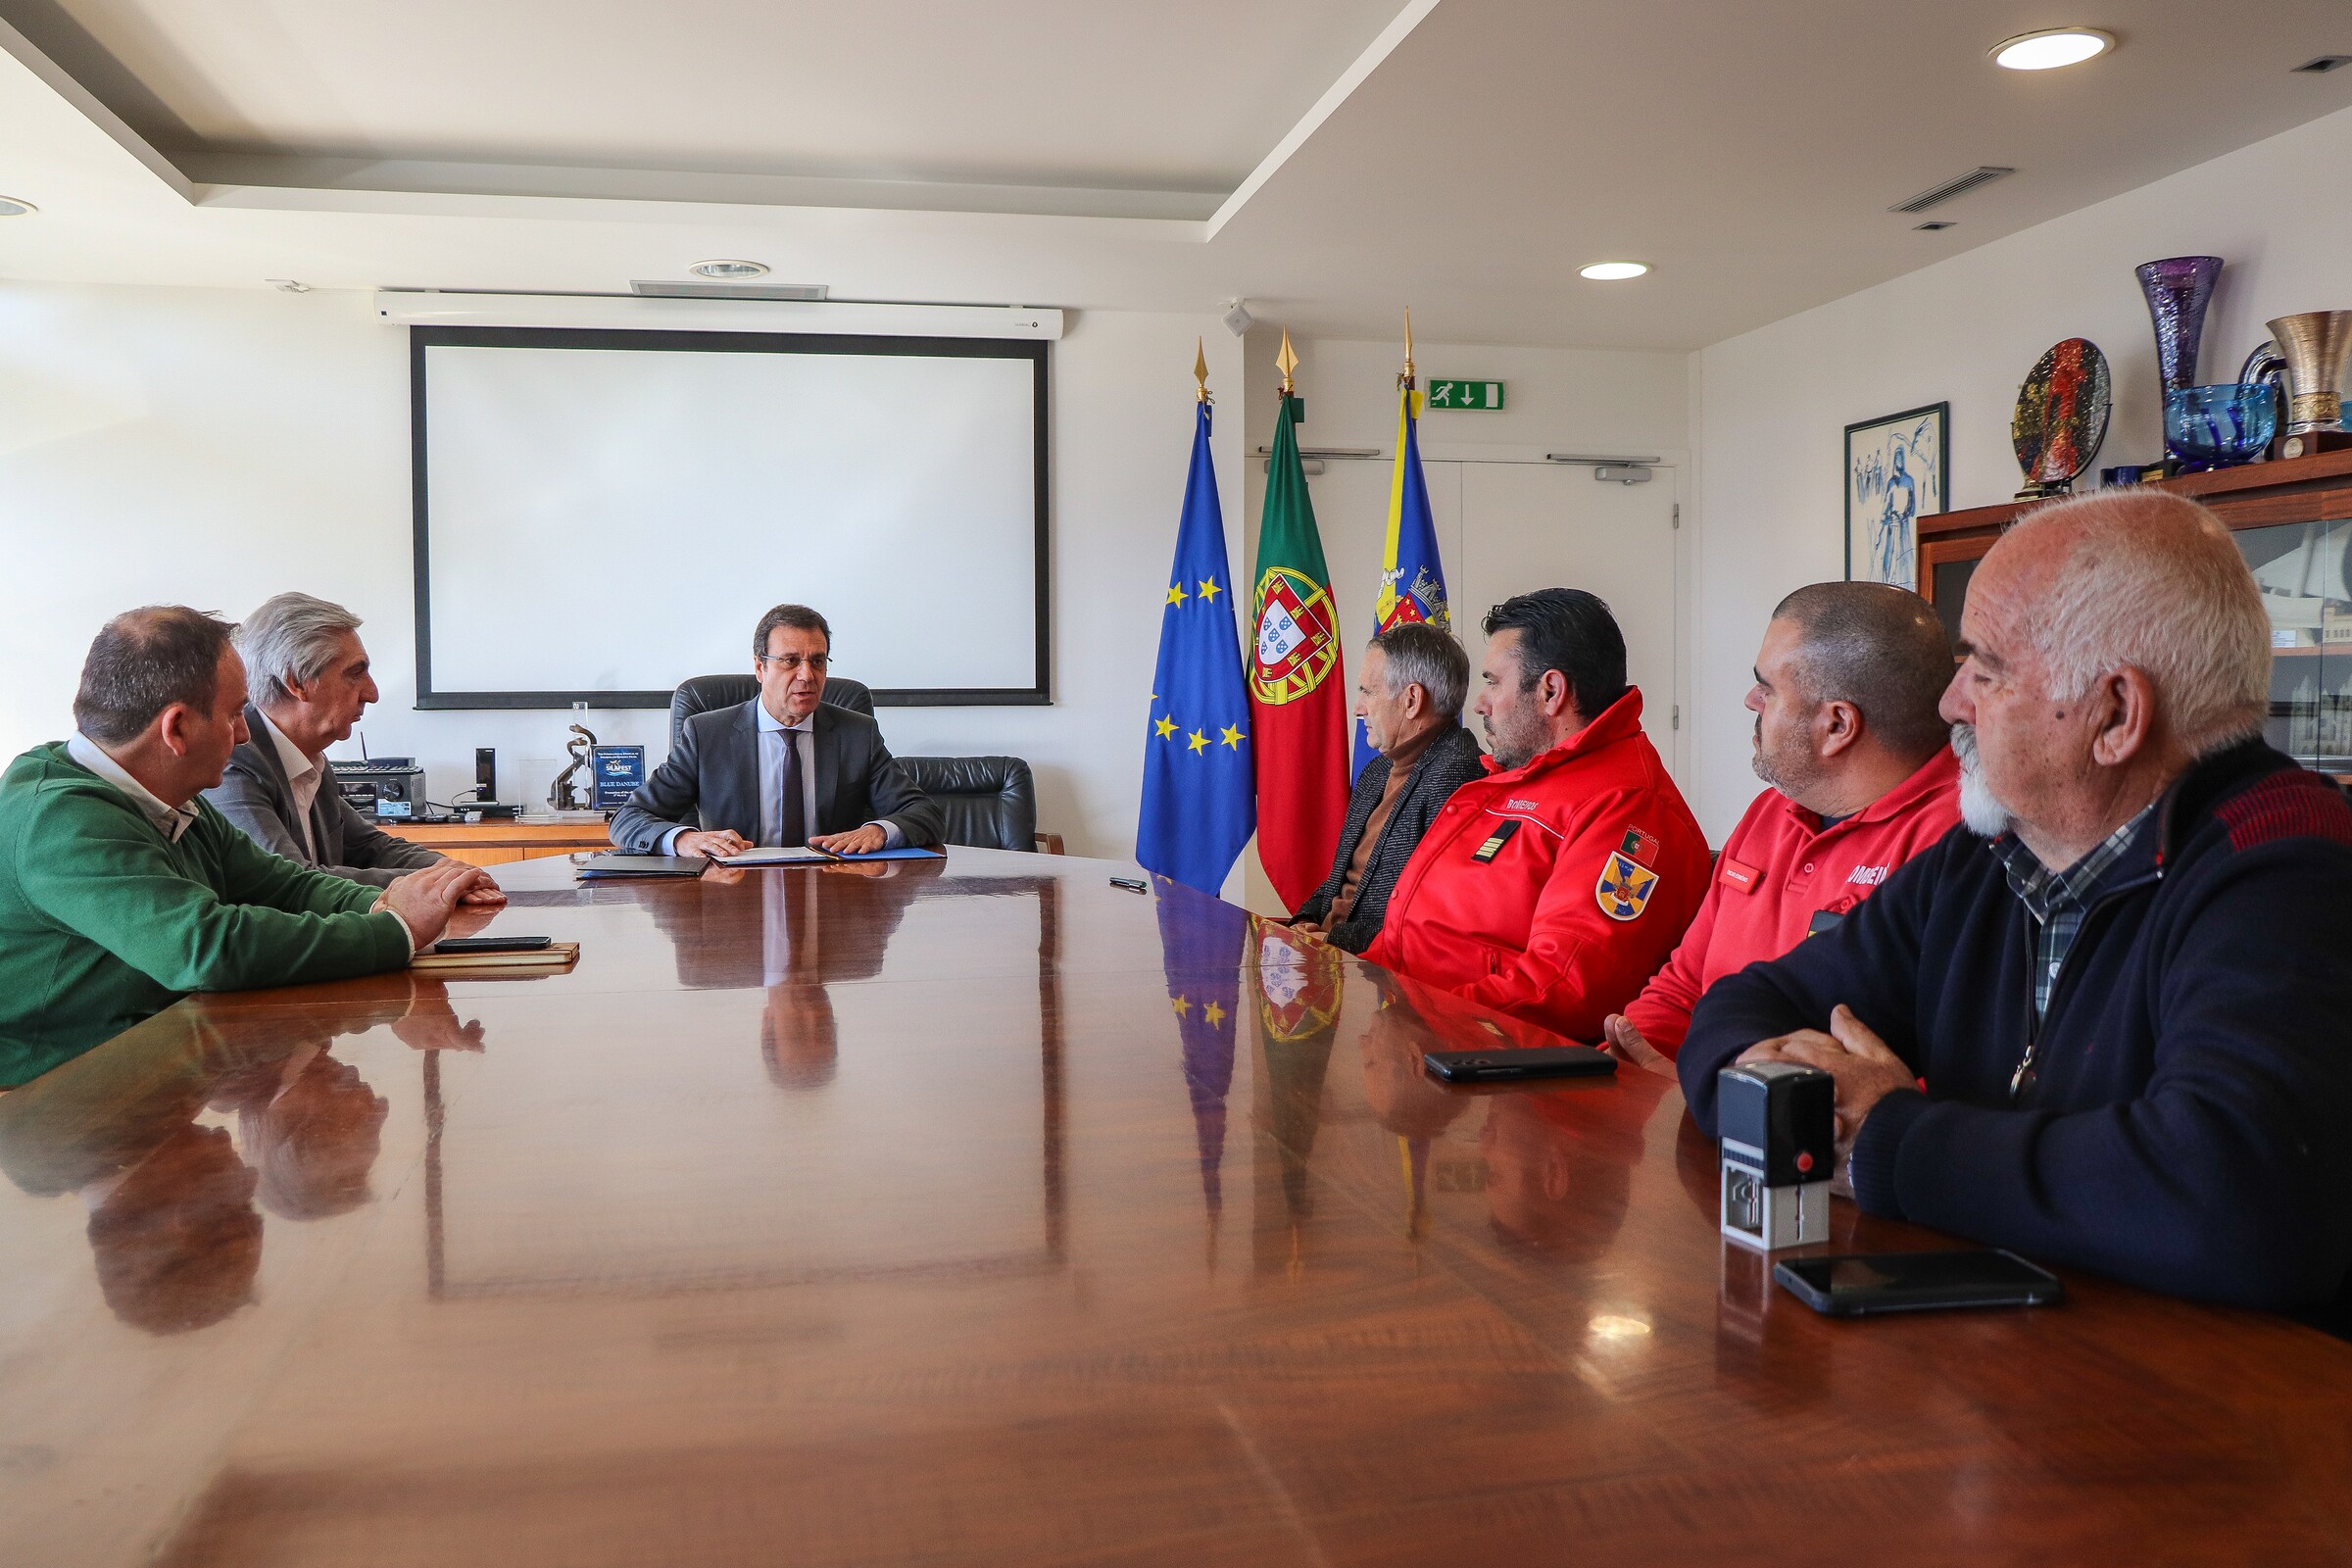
x,y
104,921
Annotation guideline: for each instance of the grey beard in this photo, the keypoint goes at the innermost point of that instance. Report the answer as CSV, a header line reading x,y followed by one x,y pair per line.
x,y
1986,817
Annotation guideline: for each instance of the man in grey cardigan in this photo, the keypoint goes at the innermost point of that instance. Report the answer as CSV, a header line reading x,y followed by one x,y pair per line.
x,y
306,678
1410,693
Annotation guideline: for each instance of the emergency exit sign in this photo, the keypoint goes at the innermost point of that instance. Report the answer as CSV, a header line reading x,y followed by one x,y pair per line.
x,y
1480,395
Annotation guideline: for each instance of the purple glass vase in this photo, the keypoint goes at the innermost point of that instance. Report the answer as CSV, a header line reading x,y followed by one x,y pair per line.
x,y
2179,289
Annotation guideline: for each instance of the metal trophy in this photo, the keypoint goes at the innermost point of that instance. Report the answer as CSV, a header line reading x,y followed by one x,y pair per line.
x,y
565,796
2317,344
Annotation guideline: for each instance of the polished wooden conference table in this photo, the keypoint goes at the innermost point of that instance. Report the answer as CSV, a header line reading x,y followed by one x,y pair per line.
x,y
986,1212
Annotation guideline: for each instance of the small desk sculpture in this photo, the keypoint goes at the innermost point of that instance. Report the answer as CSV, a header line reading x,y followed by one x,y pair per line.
x,y
564,795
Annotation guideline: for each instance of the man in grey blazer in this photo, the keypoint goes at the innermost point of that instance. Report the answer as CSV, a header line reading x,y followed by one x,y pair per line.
x,y
784,769
307,682
1409,692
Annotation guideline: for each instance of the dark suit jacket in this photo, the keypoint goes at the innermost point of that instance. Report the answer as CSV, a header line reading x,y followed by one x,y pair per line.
x,y
1451,761
712,780
254,795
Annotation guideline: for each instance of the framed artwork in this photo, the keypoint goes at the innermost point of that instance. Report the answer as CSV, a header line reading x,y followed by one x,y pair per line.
x,y
1897,471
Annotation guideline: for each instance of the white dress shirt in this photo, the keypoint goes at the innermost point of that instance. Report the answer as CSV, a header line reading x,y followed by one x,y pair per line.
x,y
304,774
169,820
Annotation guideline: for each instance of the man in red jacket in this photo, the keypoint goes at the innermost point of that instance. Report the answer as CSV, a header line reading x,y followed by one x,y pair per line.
x,y
1847,736
1554,886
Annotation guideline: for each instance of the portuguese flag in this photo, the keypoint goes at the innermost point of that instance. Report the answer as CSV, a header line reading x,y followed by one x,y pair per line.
x,y
1298,692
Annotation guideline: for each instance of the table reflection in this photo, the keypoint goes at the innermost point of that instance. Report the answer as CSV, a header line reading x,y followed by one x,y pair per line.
x,y
670,1177
174,1231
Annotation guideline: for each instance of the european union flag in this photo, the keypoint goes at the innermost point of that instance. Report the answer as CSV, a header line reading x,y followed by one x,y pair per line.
x,y
1199,780
1203,947
1412,580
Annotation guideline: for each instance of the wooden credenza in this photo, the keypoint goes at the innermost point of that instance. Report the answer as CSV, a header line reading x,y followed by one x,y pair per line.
x,y
497,843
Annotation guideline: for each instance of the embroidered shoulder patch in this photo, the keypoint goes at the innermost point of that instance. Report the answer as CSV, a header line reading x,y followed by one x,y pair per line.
x,y
2296,804
1624,887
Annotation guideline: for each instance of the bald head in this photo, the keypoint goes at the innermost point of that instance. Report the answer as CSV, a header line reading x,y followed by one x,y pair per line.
x,y
2141,579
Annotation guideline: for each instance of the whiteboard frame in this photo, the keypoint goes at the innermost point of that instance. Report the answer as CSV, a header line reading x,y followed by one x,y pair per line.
x,y
1037,693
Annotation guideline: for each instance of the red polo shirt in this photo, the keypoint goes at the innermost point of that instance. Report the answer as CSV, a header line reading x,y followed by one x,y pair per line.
x,y
1779,870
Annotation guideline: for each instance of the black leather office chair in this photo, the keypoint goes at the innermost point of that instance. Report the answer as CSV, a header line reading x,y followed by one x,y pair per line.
x,y
987,801
702,693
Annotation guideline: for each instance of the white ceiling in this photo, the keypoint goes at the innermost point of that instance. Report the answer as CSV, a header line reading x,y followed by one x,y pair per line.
x,y
1330,160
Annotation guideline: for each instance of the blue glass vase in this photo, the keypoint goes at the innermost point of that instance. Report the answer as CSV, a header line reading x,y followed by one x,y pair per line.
x,y
2219,426
2178,288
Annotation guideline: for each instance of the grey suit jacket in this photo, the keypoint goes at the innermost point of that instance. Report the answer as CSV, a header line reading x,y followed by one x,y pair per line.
x,y
256,796
1451,761
710,780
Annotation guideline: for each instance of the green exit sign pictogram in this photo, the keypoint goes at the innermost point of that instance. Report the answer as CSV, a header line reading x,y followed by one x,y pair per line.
x,y
1480,395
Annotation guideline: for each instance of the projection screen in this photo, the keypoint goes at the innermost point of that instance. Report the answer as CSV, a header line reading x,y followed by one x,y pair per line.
x,y
599,514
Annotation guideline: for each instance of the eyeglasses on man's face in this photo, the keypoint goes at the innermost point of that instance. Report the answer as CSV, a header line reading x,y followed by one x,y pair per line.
x,y
793,664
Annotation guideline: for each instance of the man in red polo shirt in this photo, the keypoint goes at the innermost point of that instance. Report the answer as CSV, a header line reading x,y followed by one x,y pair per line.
x,y
1554,886
1862,779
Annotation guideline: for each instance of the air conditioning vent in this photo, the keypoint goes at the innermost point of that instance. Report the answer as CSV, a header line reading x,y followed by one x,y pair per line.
x,y
1950,188
2321,64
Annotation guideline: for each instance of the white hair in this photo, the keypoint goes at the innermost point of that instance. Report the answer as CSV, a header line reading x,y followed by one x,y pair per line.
x,y
1423,654
2155,583
291,638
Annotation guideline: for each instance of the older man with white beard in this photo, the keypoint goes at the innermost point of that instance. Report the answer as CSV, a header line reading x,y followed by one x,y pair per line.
x,y
2104,1023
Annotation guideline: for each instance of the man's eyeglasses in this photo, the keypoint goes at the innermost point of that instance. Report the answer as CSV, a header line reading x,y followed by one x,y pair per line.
x,y
792,663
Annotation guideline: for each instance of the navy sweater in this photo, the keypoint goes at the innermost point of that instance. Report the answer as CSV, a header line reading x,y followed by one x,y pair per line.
x,y
2191,1127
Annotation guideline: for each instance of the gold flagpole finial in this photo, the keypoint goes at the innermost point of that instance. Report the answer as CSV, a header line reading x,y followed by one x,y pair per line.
x,y
1408,345
1285,361
1201,366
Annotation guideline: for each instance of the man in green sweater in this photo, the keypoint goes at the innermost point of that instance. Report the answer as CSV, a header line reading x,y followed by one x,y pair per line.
x,y
120,891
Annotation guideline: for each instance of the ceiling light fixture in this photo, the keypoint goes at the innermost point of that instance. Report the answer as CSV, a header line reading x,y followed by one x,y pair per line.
x,y
1612,271
2051,48
13,207
728,272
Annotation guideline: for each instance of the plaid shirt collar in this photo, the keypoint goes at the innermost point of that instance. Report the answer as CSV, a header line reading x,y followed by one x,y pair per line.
x,y
2057,900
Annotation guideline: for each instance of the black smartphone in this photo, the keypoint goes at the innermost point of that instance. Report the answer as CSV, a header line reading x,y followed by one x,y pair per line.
x,y
1510,1066
1852,1283
492,944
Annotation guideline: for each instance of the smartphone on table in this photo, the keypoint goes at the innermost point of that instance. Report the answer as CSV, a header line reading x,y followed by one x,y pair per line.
x,y
1514,1066
492,944
1859,1284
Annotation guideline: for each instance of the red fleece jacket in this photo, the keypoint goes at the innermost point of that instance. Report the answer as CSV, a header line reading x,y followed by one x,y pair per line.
x,y
1562,921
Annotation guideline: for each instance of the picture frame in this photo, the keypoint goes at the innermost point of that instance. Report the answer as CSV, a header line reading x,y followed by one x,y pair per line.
x,y
1897,471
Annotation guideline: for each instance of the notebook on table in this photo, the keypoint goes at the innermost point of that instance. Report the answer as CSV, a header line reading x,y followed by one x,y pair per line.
x,y
805,855
554,956
598,867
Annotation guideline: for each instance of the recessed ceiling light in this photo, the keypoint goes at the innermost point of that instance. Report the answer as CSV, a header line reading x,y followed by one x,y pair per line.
x,y
1611,271
728,272
12,207
2051,48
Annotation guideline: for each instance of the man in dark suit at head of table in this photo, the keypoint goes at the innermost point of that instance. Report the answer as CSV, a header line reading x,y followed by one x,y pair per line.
x,y
784,769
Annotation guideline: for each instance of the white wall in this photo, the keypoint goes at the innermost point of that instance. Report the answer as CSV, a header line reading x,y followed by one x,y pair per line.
x,y
212,447
1770,408
1599,401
